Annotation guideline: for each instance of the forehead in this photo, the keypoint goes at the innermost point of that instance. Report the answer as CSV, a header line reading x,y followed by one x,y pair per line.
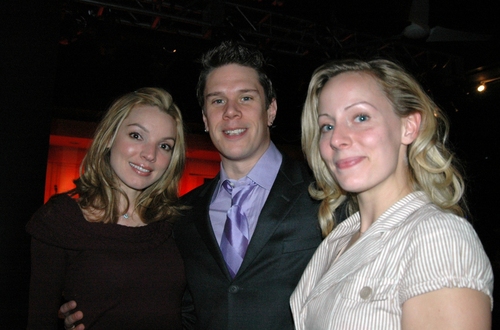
x,y
232,77
143,111
150,115
353,81
351,87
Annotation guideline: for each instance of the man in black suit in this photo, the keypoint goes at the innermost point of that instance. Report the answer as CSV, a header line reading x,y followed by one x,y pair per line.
x,y
238,107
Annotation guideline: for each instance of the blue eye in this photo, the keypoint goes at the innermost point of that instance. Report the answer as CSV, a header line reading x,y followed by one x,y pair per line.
x,y
361,118
326,128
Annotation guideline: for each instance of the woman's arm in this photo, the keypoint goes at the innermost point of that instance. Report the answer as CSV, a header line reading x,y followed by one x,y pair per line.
x,y
46,285
446,308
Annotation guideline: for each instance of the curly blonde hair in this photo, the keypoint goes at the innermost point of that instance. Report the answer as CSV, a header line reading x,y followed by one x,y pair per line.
x,y
432,166
97,187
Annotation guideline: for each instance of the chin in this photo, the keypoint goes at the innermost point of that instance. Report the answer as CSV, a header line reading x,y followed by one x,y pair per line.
x,y
139,187
352,187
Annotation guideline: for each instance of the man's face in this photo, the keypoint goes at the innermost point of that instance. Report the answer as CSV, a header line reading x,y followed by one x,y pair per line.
x,y
235,114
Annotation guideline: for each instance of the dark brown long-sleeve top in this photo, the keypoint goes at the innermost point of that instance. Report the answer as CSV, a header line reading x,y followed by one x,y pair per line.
x,y
121,277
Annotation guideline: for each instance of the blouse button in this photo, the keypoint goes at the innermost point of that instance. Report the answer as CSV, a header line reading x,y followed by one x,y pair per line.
x,y
365,293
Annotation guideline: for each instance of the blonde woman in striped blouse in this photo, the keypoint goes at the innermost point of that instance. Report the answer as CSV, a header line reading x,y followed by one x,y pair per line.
x,y
406,258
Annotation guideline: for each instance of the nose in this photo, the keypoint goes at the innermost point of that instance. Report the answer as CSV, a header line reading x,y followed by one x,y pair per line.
x,y
231,110
149,153
340,138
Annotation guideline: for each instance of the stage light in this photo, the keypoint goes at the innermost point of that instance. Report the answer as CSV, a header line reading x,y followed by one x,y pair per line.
x,y
482,85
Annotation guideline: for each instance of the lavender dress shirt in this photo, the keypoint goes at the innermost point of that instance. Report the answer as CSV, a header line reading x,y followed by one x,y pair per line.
x,y
263,174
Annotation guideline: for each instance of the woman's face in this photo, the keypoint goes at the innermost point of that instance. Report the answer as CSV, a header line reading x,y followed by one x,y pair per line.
x,y
143,148
363,142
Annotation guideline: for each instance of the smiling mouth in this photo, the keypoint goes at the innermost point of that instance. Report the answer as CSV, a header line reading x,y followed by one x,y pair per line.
x,y
139,168
347,163
235,131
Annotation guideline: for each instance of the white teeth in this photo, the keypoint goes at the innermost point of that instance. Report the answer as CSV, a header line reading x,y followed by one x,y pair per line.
x,y
235,131
142,169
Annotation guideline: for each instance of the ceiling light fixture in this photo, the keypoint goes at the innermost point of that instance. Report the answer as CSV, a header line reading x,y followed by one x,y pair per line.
x,y
482,85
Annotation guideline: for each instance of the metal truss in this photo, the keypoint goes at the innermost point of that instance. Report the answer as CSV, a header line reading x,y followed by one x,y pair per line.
x,y
264,29
220,19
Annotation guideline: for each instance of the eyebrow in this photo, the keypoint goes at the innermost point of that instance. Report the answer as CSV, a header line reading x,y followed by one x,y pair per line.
x,y
144,129
324,115
348,107
360,102
240,91
138,125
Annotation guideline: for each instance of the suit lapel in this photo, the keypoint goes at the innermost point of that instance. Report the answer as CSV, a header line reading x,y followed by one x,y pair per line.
x,y
204,226
282,197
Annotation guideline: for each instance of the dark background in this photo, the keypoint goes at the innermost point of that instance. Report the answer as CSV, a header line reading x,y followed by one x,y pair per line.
x,y
70,59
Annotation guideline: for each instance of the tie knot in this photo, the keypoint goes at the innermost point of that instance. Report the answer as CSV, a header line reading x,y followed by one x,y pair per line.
x,y
228,186
240,191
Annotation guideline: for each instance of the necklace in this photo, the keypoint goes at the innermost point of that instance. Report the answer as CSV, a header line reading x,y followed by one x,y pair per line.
x,y
126,216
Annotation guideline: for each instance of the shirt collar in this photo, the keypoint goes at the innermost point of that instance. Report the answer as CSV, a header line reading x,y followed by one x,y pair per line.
x,y
265,170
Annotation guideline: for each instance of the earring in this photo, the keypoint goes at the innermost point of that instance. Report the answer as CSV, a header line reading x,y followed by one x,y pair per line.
x,y
206,130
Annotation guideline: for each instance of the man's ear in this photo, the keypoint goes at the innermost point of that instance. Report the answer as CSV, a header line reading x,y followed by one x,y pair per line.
x,y
411,127
204,120
271,112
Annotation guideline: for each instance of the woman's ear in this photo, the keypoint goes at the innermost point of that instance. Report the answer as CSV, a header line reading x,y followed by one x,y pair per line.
x,y
411,127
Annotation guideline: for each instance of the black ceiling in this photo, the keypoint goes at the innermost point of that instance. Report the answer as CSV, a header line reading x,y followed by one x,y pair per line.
x,y
110,47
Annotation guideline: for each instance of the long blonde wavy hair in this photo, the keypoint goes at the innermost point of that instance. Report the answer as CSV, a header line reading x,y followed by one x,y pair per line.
x,y
97,187
432,167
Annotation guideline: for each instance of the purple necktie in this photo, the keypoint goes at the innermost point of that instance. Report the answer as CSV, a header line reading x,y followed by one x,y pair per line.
x,y
235,237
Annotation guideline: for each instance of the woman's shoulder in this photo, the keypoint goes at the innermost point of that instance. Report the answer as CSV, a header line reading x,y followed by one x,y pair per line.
x,y
442,229
432,215
55,219
63,202
445,251
58,207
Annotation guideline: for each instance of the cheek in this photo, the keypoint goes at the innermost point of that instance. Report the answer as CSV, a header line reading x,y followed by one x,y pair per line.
x,y
114,153
113,160
324,146
383,146
211,121
166,159
121,152
375,139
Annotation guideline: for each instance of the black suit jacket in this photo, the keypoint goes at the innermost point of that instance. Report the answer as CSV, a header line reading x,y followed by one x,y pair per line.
x,y
286,236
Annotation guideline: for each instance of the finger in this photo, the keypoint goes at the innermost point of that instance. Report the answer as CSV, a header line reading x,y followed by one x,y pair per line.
x,y
70,320
67,307
78,327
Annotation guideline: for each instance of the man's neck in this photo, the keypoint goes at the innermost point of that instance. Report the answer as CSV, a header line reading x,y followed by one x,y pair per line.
x,y
236,169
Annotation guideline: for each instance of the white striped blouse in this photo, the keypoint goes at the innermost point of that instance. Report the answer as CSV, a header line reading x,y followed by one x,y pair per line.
x,y
412,248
